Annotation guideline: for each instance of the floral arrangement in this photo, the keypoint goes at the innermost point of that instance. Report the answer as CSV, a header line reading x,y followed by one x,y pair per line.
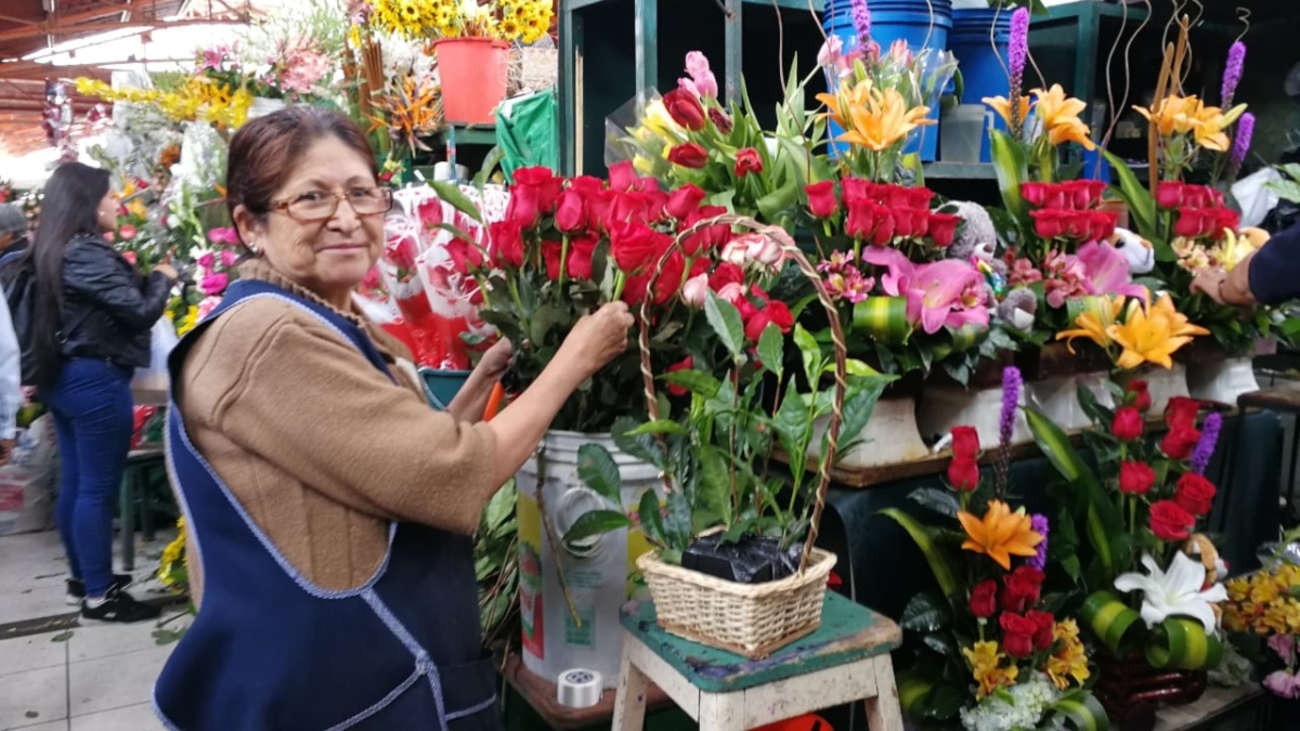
x,y
1134,331
507,20
994,652
1266,604
1140,509
689,137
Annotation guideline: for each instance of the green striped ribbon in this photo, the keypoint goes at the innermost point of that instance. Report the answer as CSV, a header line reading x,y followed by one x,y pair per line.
x,y
1181,643
884,318
1109,618
911,690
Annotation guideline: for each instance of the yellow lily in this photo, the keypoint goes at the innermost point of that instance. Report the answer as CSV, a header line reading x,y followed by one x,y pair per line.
x,y
883,121
1000,534
1093,322
1060,116
1071,659
850,97
1152,334
1171,115
1002,106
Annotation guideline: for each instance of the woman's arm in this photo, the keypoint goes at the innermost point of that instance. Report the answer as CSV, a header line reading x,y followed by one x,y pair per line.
x,y
471,400
96,273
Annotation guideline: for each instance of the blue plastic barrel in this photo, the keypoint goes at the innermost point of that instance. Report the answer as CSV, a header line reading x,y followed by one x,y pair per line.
x,y
922,24
979,40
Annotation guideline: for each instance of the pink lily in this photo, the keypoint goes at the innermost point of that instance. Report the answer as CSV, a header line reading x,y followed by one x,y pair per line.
x,y
947,293
895,281
1107,271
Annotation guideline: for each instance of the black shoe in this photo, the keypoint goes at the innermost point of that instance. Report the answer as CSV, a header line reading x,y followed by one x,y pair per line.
x,y
119,606
77,588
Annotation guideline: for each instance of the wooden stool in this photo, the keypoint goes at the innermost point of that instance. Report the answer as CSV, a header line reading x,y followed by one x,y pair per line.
x,y
846,659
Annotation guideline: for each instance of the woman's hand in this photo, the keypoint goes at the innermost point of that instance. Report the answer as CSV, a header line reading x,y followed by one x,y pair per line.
x,y
1210,283
167,270
496,359
597,338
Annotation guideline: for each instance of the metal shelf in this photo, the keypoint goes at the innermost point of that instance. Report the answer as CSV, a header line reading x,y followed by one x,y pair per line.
x,y
960,171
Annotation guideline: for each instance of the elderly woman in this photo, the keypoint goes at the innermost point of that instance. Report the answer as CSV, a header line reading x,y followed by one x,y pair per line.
x,y
330,508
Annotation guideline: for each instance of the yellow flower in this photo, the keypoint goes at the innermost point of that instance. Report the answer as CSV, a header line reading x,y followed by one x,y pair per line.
x,y
884,121
1263,592
1000,534
1060,117
190,320
1152,334
1171,115
1238,588
986,667
1094,322
1070,661
1002,106
839,104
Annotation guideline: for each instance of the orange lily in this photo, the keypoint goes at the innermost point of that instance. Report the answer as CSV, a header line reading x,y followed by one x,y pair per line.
x,y
1152,334
1094,321
1060,117
883,121
1000,534
1002,106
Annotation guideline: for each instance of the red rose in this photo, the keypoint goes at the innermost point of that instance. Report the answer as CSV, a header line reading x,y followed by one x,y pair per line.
x,y
1169,521
821,199
622,176
1077,223
1094,190
1127,424
685,364
910,222
637,248
983,599
685,109
776,313
1225,218
1044,623
1190,223
965,442
1195,494
543,182
1057,197
894,196
720,120
963,474
524,207
1135,478
580,251
1022,588
943,228
1035,194
1180,441
1017,634
919,197
712,237
1182,411
684,201
861,219
725,274
1101,224
551,253
670,279
507,243
856,190
1141,397
1048,223
884,231
748,161
1169,195
634,289
570,214
688,155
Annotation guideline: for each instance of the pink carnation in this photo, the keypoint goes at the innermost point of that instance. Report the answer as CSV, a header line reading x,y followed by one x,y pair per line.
x,y
214,284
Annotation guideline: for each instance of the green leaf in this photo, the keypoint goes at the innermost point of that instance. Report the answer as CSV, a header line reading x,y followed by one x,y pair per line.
x,y
659,426
864,393
1012,169
63,636
677,520
652,523
642,446
1141,205
594,523
940,501
1083,710
810,351
943,703
450,193
774,203
1288,190
924,539
712,490
771,348
726,323
597,470
791,424
696,381
924,613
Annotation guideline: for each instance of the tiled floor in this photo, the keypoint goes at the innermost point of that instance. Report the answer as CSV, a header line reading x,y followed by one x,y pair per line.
x,y
91,678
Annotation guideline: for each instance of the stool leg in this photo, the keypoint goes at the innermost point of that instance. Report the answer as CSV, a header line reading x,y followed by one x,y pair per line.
x,y
127,509
883,711
722,711
629,703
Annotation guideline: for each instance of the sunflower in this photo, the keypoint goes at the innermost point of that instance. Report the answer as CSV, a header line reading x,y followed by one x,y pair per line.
x,y
509,29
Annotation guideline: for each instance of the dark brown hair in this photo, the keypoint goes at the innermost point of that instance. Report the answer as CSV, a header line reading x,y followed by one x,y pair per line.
x,y
264,152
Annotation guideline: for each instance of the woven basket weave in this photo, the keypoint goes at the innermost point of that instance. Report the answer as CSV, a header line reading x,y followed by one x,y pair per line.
x,y
748,619
751,620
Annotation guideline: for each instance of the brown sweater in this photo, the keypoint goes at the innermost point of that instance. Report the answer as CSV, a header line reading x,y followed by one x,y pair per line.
x,y
318,445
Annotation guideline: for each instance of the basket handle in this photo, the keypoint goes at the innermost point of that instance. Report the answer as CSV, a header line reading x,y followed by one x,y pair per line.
x,y
792,252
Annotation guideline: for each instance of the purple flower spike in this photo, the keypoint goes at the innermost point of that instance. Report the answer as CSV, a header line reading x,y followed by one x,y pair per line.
x,y
1232,70
862,21
1205,447
1241,145
1018,50
1038,523
1011,383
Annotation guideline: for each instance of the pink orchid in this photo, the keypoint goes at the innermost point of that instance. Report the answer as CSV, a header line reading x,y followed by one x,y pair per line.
x,y
1283,684
702,82
948,293
225,235
214,284
1107,271
1284,646
1066,278
895,281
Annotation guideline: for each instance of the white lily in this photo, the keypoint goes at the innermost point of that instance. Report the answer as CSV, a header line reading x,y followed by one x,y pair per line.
x,y
1176,593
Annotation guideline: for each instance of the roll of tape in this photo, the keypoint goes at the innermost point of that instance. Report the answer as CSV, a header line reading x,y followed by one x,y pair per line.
x,y
578,688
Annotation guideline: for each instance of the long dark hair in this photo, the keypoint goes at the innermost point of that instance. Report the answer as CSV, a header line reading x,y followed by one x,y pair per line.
x,y
71,207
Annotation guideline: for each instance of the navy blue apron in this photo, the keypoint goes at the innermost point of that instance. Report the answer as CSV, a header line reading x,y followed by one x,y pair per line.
x,y
271,650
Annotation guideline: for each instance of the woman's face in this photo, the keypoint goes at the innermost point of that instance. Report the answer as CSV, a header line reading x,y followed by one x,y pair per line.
x,y
329,256
107,212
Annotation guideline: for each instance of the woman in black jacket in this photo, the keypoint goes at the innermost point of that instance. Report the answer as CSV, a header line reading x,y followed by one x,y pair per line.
x,y
91,323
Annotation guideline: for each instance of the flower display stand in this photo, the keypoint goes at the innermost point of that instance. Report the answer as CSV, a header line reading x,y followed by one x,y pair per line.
x,y
1162,383
1221,380
847,659
943,407
891,437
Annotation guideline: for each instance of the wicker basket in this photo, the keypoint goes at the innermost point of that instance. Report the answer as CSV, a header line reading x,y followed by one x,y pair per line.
x,y
751,620
747,619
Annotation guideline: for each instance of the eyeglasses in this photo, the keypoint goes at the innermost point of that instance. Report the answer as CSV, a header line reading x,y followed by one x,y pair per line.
x,y
319,205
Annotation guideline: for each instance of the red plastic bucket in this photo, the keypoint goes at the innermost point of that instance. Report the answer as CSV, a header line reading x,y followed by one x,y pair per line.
x,y
473,72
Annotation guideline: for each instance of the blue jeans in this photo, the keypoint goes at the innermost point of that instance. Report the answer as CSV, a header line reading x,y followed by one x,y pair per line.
x,y
92,407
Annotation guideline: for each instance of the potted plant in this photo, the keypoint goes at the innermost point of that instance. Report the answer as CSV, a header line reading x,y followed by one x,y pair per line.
x,y
734,564
994,650
1150,579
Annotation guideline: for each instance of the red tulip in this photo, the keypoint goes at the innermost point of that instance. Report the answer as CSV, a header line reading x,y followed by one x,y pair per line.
x,y
688,155
720,120
748,161
685,109
821,199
